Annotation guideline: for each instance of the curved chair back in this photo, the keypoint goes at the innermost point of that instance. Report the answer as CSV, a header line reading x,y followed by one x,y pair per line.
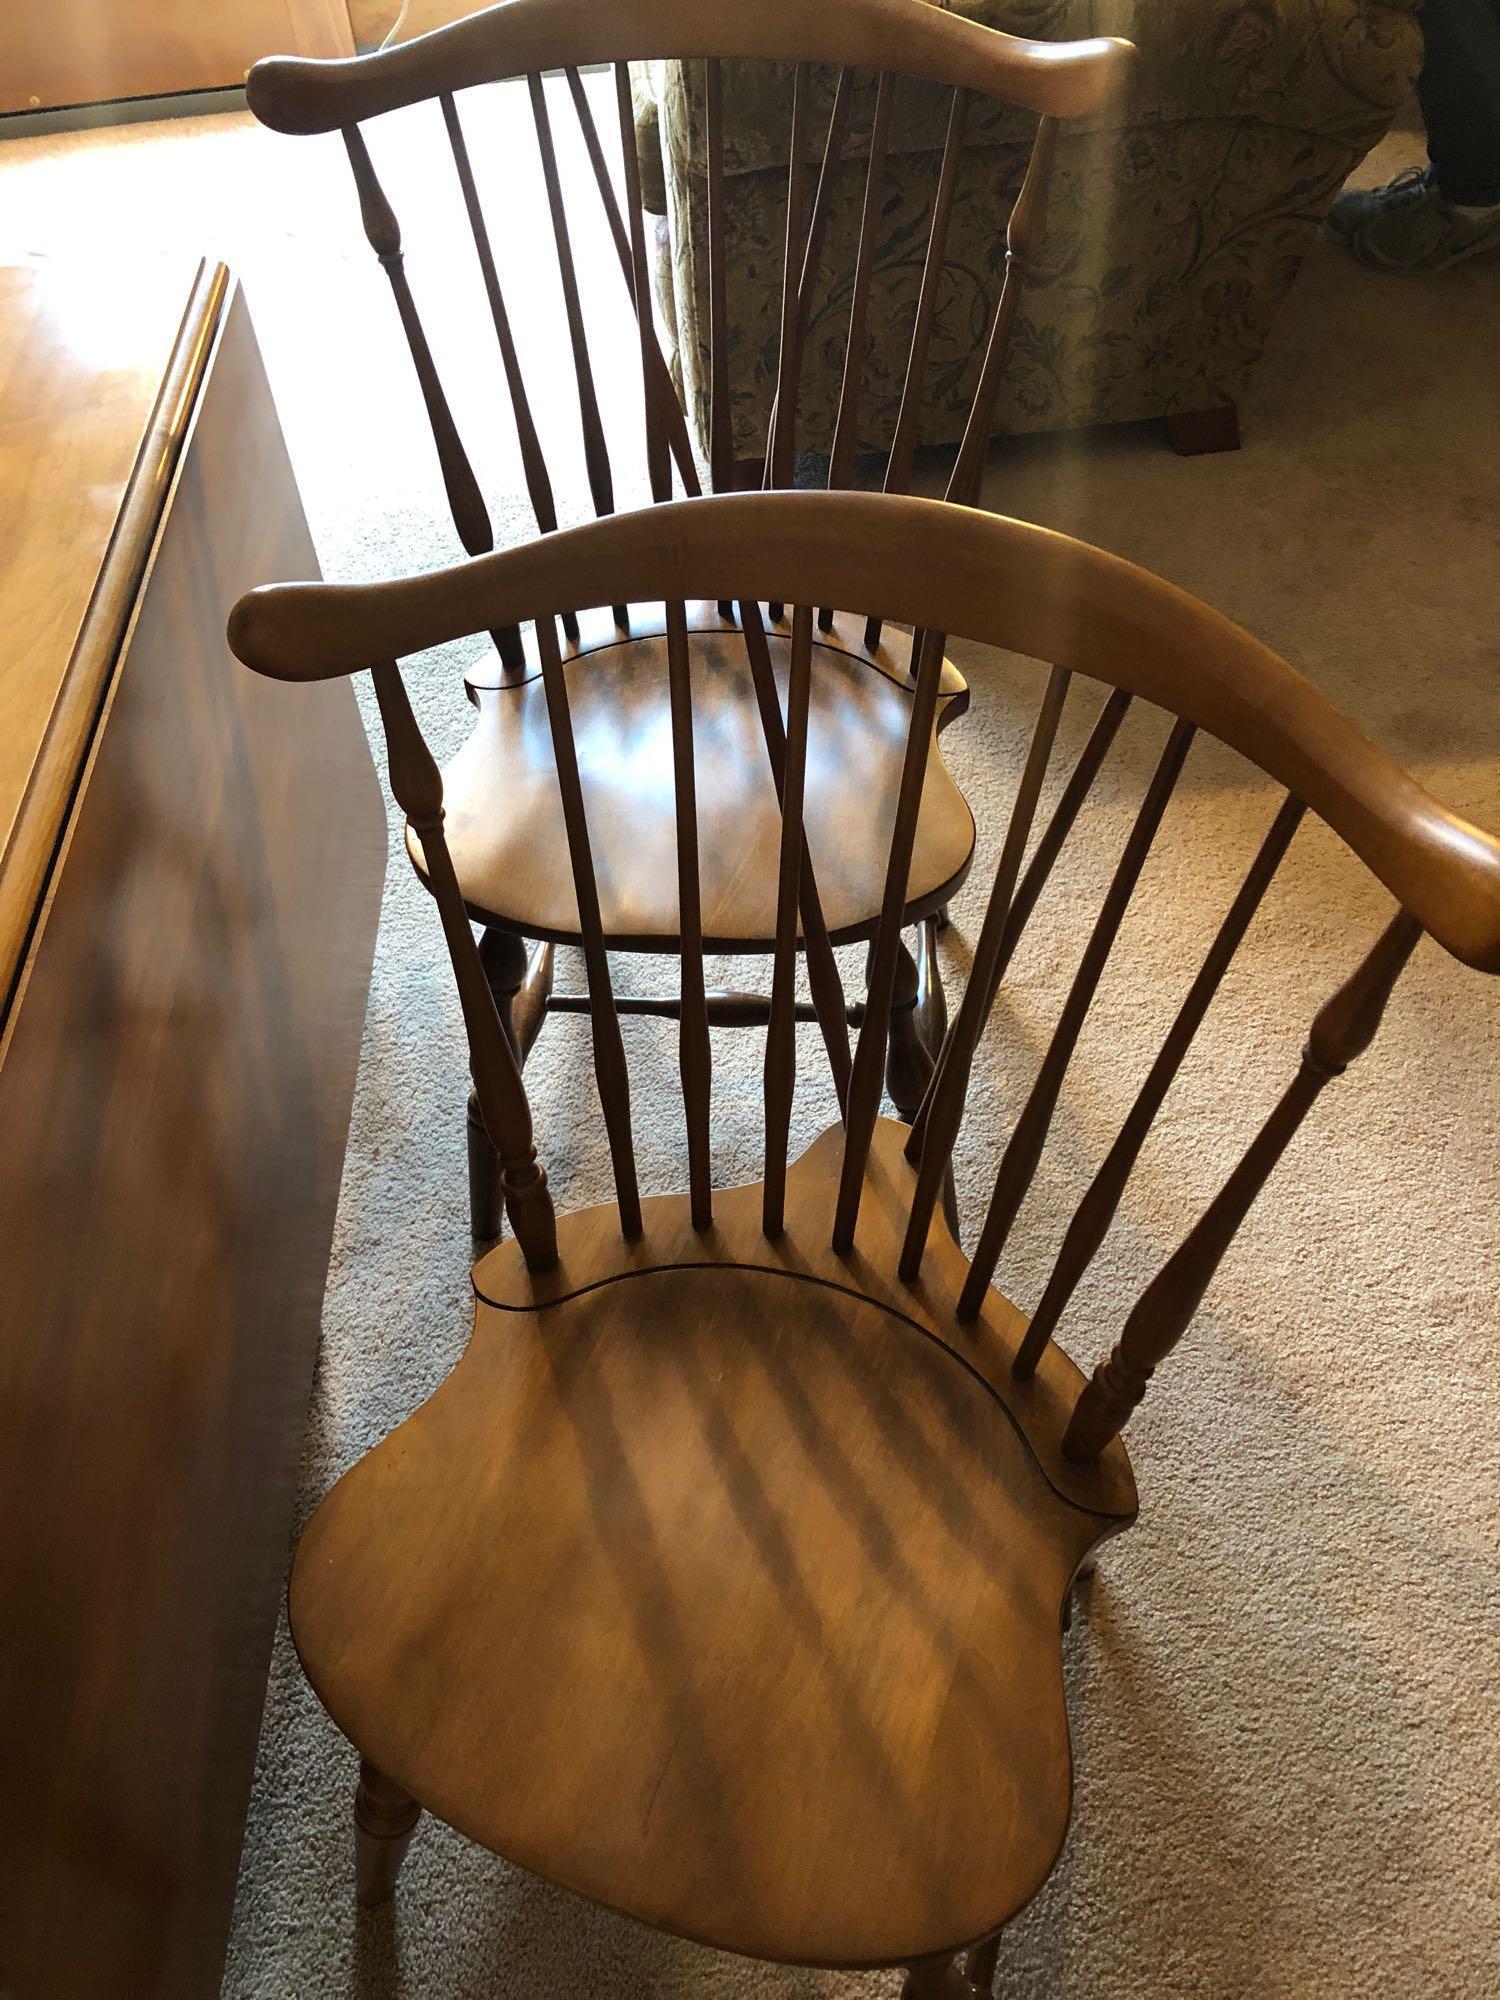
x,y
847,55
933,566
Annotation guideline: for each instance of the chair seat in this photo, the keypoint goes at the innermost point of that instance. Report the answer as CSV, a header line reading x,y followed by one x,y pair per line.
x,y
505,824
722,1595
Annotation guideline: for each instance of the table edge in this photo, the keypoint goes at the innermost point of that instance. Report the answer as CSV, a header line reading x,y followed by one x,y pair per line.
x,y
41,818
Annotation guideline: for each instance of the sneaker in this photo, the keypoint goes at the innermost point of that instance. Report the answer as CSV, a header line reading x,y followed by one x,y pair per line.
x,y
1357,207
1408,225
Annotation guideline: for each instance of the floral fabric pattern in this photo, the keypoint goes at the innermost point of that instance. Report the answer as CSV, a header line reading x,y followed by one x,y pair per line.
x,y
1174,227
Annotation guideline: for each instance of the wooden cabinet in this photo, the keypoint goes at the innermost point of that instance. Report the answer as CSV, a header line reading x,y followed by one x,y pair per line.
x,y
55,52
189,894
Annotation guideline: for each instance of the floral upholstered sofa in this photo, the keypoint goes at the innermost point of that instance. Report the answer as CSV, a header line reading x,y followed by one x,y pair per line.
x,y
1175,227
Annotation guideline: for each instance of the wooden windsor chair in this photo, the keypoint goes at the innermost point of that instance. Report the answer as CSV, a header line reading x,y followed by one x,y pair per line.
x,y
505,834
721,1581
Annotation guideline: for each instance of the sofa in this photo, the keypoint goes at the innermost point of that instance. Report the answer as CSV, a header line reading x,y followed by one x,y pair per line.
x,y
1175,227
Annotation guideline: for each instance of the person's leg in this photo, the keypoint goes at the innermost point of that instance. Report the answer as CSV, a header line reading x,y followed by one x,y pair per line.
x,y
1459,88
1430,217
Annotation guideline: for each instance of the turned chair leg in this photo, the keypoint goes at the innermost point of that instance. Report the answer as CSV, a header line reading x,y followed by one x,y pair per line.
x,y
1191,433
980,1966
384,1821
512,974
932,1003
919,1021
1078,1591
485,1195
909,1062
937,1979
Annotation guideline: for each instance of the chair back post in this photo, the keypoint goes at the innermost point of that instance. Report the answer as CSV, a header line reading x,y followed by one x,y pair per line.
x,y
417,786
1343,1029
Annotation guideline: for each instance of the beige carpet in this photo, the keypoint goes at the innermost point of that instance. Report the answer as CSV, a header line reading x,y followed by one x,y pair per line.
x,y
1283,1690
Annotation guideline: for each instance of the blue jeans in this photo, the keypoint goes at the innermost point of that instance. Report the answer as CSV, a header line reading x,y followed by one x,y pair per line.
x,y
1460,92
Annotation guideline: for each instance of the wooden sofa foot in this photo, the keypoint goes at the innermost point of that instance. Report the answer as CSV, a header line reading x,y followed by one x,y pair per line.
x,y
384,1820
937,1979
979,1966
1191,432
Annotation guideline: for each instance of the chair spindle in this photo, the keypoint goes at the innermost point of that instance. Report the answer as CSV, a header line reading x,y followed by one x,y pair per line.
x,y
1023,238
533,464
1096,1211
824,983
595,450
903,447
904,444
1077,788
943,1108
1054,835
1343,1029
417,786
720,428
610,1069
781,442
465,502
828,173
781,1035
720,417
1019,1161
694,1054
812,249
870,1049
669,409
658,460
846,424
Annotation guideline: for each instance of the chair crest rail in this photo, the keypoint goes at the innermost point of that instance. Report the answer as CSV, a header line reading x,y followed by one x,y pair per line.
x,y
1078,79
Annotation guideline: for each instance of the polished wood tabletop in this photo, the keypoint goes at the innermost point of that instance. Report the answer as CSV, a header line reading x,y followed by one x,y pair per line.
x,y
97,382
192,881
64,52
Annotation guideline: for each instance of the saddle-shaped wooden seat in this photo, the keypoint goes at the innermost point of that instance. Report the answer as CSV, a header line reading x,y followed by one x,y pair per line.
x,y
513,865
726,1591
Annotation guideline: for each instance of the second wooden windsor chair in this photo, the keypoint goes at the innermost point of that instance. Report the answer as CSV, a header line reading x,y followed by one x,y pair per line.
x,y
844,58
721,1582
